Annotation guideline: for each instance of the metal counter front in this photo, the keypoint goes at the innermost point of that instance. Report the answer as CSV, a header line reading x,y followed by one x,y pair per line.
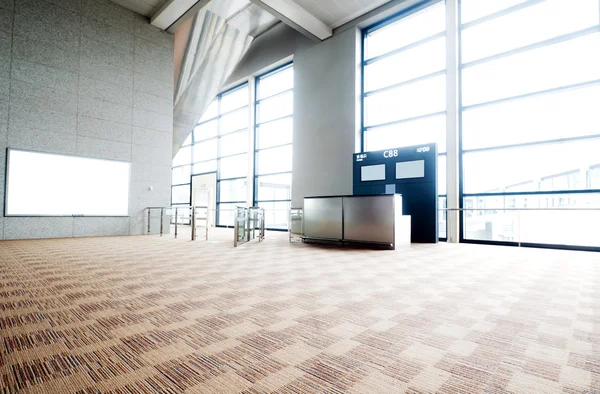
x,y
372,219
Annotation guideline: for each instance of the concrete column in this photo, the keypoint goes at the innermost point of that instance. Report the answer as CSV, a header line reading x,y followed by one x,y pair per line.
x,y
452,119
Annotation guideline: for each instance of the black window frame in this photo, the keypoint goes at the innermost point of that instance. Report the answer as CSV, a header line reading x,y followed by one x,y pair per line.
x,y
363,94
256,150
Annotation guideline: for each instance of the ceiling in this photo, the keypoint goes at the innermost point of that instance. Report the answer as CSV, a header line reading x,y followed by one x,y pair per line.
x,y
335,13
142,7
315,18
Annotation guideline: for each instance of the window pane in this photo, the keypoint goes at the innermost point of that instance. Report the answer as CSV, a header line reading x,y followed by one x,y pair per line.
x,y
188,140
406,65
274,187
529,168
226,214
180,194
441,175
235,99
552,18
181,175
408,30
206,130
211,112
566,63
475,9
276,107
183,214
183,157
276,214
408,101
558,115
233,191
547,227
205,150
442,215
594,177
270,161
206,166
275,133
529,123
416,132
234,143
234,167
274,129
234,121
276,83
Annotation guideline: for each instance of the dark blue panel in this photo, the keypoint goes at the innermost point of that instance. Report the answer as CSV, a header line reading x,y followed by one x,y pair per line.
x,y
419,194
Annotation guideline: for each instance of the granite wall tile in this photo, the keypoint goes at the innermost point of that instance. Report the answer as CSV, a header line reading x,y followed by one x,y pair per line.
x,y
104,129
103,149
105,91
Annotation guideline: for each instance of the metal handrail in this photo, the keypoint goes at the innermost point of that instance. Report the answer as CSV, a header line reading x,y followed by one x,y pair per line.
x,y
261,223
192,216
519,210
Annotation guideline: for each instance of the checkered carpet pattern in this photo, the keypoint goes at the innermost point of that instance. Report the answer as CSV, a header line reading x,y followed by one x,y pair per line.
x,y
157,315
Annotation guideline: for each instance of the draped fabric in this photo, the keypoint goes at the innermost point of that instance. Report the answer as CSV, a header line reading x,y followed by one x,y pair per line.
x,y
219,36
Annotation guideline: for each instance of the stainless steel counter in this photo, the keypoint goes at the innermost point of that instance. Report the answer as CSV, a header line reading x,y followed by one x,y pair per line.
x,y
372,219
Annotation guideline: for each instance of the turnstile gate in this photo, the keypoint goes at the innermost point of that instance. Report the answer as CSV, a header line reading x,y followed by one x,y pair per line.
x,y
249,224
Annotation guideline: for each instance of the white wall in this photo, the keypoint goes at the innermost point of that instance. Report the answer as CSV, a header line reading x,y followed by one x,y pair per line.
x,y
88,78
326,125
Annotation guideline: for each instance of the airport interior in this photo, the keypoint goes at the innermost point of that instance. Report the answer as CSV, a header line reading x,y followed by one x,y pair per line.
x,y
300,196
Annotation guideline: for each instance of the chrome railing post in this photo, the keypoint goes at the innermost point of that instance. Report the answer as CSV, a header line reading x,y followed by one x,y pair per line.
x,y
235,228
162,214
176,223
149,210
248,220
519,227
262,223
207,221
193,223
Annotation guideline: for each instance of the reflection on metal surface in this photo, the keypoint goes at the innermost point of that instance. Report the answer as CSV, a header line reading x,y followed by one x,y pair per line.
x,y
373,219
249,222
217,38
370,219
323,217
295,225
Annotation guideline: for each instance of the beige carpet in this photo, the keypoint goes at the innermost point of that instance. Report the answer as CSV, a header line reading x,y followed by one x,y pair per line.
x,y
158,315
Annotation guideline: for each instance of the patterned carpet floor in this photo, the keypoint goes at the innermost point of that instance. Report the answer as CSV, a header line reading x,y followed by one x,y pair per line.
x,y
158,315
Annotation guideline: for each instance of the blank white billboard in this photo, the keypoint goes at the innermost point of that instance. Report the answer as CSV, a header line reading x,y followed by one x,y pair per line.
x,y
410,169
45,184
372,173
